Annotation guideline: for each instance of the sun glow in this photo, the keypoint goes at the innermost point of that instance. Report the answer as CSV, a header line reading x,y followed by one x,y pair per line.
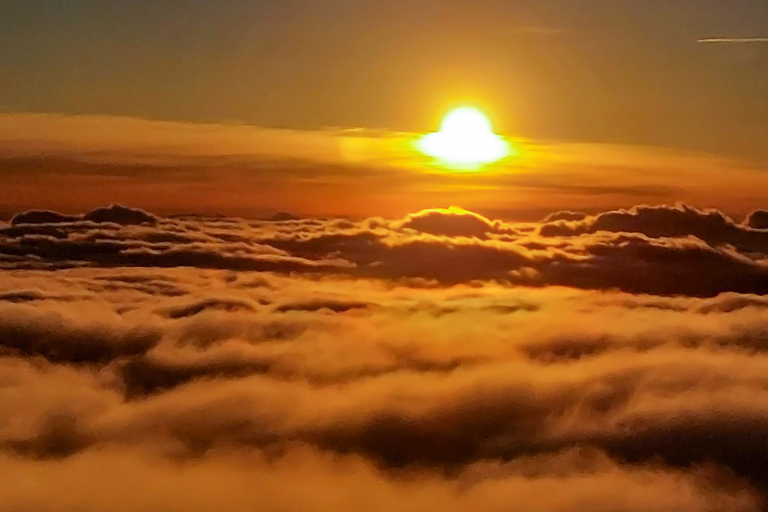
x,y
466,141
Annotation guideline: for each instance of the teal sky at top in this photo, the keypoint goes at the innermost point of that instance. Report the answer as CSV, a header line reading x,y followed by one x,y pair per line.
x,y
627,71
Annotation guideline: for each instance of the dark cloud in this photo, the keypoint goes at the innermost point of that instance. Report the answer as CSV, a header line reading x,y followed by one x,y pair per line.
x,y
565,215
283,217
30,296
127,247
115,213
58,437
147,284
626,259
451,222
656,250
758,219
42,217
145,375
206,305
120,215
711,226
329,305
72,338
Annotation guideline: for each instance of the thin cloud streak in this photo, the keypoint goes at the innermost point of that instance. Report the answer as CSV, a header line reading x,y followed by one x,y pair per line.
x,y
737,40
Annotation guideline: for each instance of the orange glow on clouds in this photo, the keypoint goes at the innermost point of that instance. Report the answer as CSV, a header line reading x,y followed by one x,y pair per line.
x,y
250,171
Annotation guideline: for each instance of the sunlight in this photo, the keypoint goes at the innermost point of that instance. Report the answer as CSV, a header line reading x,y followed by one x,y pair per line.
x,y
465,142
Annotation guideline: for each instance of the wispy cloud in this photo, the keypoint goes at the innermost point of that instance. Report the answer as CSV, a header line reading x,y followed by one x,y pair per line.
x,y
734,40
251,171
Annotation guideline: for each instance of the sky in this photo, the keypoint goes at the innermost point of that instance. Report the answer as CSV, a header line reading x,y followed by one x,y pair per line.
x,y
604,71
247,264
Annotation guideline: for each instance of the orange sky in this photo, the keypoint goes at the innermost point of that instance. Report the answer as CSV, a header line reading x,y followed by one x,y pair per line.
x,y
72,163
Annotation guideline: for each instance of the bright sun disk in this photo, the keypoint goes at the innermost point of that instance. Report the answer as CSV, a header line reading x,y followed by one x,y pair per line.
x,y
466,141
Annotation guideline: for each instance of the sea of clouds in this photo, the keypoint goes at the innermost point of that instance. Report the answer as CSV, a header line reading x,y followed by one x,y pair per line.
x,y
442,361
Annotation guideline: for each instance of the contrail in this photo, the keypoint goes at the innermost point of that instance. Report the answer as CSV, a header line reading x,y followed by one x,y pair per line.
x,y
734,40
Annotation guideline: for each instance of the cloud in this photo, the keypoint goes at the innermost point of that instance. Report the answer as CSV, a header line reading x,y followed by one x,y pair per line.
x,y
500,420
734,40
658,250
442,359
334,306
115,213
179,168
758,219
119,215
311,482
206,305
42,217
56,337
451,222
711,226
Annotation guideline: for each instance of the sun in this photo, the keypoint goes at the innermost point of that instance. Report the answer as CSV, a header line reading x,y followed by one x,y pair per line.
x,y
466,141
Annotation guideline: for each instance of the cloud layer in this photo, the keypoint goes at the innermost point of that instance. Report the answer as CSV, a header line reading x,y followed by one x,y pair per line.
x,y
656,250
441,360
174,167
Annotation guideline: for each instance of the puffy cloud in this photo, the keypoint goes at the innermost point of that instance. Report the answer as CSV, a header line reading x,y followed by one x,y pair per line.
x,y
115,213
452,222
309,481
711,226
758,219
119,215
42,217
206,305
565,215
656,250
443,359
72,336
